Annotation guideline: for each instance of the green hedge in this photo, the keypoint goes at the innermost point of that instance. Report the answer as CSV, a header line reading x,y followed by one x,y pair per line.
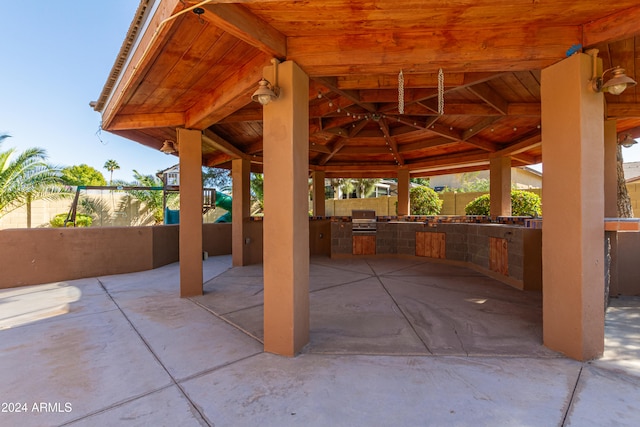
x,y
424,201
523,203
81,220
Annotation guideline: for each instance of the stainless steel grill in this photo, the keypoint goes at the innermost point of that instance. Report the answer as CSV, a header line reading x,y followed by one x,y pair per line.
x,y
363,221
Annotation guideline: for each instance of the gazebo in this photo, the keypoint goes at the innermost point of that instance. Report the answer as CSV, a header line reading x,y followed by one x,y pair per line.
x,y
387,89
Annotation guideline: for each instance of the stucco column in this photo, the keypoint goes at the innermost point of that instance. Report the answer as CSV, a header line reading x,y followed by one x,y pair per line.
x,y
286,213
318,193
240,211
573,203
190,150
403,192
610,169
500,186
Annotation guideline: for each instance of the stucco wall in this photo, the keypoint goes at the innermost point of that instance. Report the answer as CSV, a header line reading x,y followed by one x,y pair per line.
x,y
33,256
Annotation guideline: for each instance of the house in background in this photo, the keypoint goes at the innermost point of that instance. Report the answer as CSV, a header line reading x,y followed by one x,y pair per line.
x,y
522,178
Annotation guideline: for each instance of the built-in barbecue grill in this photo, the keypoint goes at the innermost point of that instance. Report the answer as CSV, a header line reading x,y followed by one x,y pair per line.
x,y
363,221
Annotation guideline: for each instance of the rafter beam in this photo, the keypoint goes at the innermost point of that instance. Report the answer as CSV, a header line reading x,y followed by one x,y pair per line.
x,y
623,111
227,98
617,26
144,121
525,143
241,23
337,146
491,97
332,84
391,141
386,52
222,144
434,142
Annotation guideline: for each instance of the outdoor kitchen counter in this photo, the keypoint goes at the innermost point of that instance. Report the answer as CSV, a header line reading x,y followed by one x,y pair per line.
x,y
511,253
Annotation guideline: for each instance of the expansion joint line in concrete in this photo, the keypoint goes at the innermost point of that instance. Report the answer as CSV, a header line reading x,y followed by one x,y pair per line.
x,y
406,318
573,393
144,341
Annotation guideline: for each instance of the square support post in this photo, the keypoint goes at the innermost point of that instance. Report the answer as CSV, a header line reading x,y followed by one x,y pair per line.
x,y
500,186
573,227
286,217
318,193
190,145
403,192
241,206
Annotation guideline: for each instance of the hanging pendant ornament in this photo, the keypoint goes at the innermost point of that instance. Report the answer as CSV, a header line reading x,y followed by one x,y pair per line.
x,y
401,93
440,92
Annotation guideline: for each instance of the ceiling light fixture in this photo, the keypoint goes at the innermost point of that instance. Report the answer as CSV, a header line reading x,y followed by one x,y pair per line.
x,y
169,147
267,92
616,84
626,140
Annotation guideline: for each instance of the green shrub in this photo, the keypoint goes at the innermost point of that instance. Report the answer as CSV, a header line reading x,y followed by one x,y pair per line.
x,y
81,220
523,203
424,201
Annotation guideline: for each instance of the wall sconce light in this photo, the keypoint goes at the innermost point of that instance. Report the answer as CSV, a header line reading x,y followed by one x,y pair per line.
x,y
626,140
616,84
169,147
267,92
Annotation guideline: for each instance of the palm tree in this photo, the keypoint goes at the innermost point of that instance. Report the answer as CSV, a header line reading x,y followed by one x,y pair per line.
x,y
152,199
111,165
25,178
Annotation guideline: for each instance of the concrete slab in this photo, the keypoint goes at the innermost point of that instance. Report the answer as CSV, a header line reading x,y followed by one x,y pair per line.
x,y
167,407
226,294
435,268
604,397
360,318
486,319
622,336
186,338
90,362
317,390
53,301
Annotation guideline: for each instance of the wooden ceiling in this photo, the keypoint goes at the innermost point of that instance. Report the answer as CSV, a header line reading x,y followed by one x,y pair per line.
x,y
199,71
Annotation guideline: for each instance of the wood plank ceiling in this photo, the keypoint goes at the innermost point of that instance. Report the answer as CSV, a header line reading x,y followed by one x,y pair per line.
x,y
199,71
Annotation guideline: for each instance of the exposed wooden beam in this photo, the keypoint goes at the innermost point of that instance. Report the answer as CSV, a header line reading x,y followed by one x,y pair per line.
x,y
482,143
391,141
390,81
225,99
525,143
332,84
241,23
222,144
319,148
617,26
387,52
142,121
478,127
491,97
621,111
337,146
434,142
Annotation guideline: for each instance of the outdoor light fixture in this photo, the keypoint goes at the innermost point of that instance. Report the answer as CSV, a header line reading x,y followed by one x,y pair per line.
x,y
626,140
169,147
267,92
616,84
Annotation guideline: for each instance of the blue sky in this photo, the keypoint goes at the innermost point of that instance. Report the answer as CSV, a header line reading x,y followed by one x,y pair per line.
x,y
56,56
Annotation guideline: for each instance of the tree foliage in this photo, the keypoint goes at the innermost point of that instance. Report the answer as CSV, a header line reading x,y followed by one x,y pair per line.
x,y
82,220
111,165
365,186
523,203
82,175
424,201
26,176
152,199
216,178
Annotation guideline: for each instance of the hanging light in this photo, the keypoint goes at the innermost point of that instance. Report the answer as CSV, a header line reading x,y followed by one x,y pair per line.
x,y
169,147
267,92
616,84
626,140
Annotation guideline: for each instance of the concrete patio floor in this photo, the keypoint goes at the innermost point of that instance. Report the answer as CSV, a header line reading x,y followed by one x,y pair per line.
x,y
394,342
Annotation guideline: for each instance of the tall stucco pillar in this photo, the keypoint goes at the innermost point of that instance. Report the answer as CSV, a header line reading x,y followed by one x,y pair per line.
x,y
286,213
500,186
190,150
318,193
573,203
240,211
403,191
610,169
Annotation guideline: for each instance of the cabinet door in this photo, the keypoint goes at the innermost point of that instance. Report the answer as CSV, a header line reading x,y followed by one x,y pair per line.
x,y
498,255
431,245
364,245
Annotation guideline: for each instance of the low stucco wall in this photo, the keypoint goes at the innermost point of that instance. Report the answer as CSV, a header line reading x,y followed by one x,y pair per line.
x,y
34,256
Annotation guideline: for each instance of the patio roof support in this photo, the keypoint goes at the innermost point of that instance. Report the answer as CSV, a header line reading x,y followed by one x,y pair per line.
x,y
500,186
286,218
190,143
403,191
573,200
240,176
318,193
610,169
